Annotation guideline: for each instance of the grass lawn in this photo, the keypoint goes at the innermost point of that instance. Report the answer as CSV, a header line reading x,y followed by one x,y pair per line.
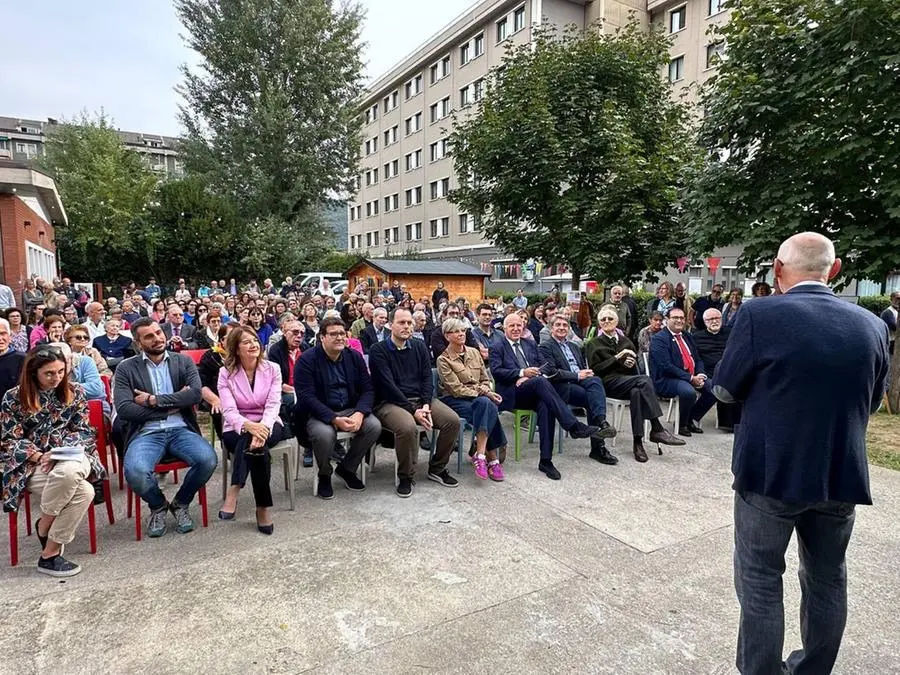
x,y
883,440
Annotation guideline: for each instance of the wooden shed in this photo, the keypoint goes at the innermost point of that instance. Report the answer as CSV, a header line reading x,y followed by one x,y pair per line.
x,y
421,277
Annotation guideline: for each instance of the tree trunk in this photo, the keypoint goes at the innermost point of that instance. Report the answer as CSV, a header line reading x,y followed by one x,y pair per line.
x,y
576,278
894,380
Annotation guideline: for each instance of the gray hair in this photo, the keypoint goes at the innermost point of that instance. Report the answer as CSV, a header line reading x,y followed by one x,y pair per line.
x,y
419,314
453,325
5,324
287,316
808,252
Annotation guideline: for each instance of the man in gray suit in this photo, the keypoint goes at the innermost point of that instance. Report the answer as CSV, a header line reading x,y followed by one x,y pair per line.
x,y
155,395
179,335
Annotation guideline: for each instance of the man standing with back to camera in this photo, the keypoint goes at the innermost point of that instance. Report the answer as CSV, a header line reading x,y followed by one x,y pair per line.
x,y
809,368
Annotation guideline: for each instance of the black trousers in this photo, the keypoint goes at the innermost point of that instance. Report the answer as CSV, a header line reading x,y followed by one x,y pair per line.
x,y
638,390
256,463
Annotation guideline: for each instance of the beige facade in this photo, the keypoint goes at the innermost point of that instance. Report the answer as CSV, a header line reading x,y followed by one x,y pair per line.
x,y
401,202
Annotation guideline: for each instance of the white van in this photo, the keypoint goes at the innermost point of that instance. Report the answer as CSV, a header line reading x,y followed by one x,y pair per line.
x,y
317,278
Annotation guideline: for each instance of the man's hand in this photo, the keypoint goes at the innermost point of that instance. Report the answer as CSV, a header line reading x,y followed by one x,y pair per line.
x,y
697,381
495,397
46,463
142,397
484,351
531,372
521,381
423,417
586,372
356,422
629,362
287,389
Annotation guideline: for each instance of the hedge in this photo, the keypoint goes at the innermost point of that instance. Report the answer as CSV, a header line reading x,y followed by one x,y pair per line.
x,y
875,303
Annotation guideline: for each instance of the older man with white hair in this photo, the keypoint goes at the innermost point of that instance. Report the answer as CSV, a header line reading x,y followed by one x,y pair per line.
x,y
711,343
800,453
10,360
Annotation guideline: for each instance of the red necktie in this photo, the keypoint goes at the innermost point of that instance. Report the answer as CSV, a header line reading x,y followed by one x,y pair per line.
x,y
686,357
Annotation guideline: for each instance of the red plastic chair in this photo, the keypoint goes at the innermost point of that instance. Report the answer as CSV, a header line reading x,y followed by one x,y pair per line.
x,y
195,354
134,499
98,421
108,387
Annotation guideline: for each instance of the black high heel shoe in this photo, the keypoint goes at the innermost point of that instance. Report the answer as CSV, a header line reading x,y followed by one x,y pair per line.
x,y
265,529
224,515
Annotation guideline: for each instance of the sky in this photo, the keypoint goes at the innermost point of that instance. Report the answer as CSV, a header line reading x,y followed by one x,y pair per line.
x,y
123,56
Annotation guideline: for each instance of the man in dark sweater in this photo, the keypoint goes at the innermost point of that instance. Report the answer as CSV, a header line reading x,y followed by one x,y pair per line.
x,y
10,361
711,344
405,399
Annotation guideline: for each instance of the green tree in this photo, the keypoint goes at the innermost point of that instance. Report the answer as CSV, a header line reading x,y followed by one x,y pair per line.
x,y
801,131
576,152
105,189
271,114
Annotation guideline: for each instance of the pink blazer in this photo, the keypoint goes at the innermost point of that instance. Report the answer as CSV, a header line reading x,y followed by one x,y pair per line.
x,y
241,403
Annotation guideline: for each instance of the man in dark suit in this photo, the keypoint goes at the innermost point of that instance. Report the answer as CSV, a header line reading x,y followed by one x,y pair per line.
x,y
800,452
376,331
577,385
678,370
155,395
515,365
179,335
711,342
334,393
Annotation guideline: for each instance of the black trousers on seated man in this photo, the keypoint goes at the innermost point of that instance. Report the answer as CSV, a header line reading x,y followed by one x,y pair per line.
x,y
638,391
537,394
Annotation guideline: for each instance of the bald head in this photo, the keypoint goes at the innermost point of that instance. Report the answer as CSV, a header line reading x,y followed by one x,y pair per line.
x,y
807,256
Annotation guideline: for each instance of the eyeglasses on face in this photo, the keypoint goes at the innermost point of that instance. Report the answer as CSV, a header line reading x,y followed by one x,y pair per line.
x,y
607,319
677,317
339,335
80,337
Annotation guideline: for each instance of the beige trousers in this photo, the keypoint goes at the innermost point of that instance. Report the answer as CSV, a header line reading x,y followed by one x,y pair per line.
x,y
65,493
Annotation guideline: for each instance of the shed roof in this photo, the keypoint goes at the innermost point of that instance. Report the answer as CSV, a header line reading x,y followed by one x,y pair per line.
x,y
438,268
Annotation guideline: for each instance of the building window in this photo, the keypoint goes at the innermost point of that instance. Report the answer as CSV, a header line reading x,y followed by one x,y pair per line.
x,y
372,208
391,100
414,196
714,54
391,135
677,19
413,124
502,26
371,177
375,237
392,202
465,97
372,114
355,240
440,110
372,146
464,54
391,169
519,19
30,150
716,6
368,239
414,159
413,87
438,150
356,212
413,231
478,89
440,188
439,70
676,69
440,227
478,45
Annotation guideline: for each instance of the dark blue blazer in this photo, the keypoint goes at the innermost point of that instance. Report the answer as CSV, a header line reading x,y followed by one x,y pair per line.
x,y
552,356
505,369
666,363
311,387
809,368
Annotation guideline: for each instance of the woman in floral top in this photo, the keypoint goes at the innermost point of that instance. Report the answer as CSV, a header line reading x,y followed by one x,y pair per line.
x,y
43,414
18,331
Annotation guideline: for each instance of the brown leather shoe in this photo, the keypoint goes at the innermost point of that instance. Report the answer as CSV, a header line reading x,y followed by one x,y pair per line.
x,y
665,437
639,453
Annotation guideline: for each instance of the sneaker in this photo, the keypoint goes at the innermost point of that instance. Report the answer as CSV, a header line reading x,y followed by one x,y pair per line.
x,y
444,478
156,526
325,491
57,566
481,470
183,522
495,472
404,487
351,479
307,459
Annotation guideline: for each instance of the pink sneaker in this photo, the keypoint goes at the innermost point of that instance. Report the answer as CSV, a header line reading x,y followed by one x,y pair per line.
x,y
481,470
495,471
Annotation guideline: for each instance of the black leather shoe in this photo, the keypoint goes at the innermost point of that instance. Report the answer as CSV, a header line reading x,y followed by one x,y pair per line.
x,y
639,453
695,428
325,491
607,430
665,437
603,456
684,431
582,430
546,466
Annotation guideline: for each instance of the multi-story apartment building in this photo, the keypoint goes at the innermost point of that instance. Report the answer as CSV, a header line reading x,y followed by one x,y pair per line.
x,y
23,140
401,201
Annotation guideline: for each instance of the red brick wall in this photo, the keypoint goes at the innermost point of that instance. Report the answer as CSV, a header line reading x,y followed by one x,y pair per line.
x,y
13,215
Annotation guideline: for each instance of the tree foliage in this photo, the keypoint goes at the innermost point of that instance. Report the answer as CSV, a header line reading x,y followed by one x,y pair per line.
x,y
105,189
802,130
576,153
270,113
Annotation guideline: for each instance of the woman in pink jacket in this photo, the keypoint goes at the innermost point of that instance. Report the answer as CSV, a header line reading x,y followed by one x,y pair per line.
x,y
250,396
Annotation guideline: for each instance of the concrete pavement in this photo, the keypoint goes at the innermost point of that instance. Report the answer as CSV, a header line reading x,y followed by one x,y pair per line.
x,y
622,570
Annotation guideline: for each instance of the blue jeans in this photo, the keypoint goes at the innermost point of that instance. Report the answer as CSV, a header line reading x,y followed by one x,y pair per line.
x,y
762,530
590,395
482,413
146,450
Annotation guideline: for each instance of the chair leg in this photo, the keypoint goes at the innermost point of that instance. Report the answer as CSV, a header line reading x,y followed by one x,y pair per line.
x,y
460,442
288,483
107,497
137,513
532,426
130,505
92,528
559,439
204,511
224,472
517,443
122,476
28,514
13,538
316,474
175,476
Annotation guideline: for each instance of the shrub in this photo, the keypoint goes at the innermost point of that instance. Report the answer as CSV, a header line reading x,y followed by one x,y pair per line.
x,y
875,303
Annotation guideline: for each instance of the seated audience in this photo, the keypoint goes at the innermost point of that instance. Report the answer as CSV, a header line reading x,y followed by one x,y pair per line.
x,y
250,396
646,334
285,353
113,346
616,295
711,346
42,415
613,358
515,366
713,300
18,331
550,314
730,311
683,300
78,339
207,336
405,398
11,360
155,394
335,393
484,333
535,322
577,385
377,331
210,363
179,335
95,320
678,370
51,330
468,391
365,319
257,322
311,321
439,342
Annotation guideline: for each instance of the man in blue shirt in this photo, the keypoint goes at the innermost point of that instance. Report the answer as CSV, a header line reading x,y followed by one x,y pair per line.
x,y
152,289
484,333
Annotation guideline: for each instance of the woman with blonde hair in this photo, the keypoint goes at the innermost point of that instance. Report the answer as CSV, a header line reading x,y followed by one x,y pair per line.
x,y
79,341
